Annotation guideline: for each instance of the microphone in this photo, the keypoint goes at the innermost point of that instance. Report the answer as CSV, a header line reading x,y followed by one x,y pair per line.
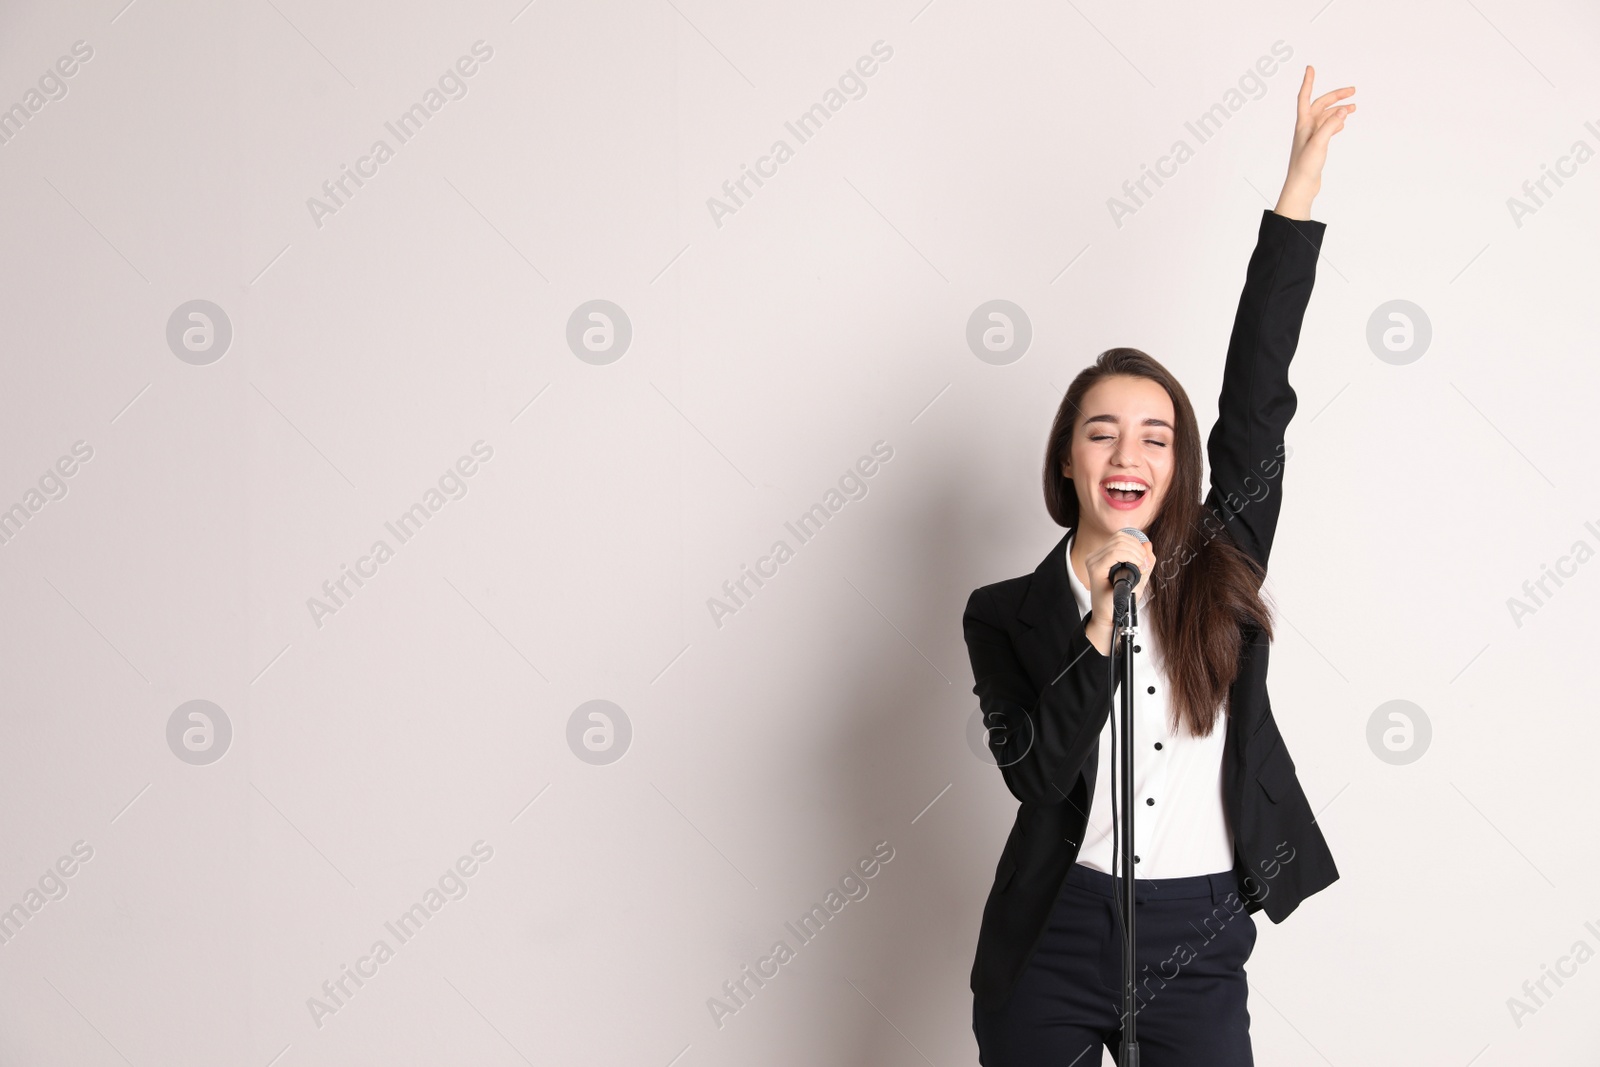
x,y
1124,577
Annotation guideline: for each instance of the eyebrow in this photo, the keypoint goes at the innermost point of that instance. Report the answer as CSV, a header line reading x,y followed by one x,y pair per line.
x,y
1113,420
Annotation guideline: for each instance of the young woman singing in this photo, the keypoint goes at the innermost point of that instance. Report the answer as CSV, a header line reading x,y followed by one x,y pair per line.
x,y
1222,827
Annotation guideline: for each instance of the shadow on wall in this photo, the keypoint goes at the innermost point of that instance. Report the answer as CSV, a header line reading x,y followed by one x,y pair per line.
x,y
903,765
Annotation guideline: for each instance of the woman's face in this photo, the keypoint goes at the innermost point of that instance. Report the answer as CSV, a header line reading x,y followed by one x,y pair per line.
x,y
1124,436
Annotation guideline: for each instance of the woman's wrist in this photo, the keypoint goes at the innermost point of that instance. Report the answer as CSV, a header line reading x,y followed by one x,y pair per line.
x,y
1295,202
1099,635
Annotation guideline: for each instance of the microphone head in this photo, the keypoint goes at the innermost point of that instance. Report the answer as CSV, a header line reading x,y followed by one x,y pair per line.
x,y
1137,533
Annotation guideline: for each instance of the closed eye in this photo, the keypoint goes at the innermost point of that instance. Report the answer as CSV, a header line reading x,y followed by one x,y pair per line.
x,y
1107,437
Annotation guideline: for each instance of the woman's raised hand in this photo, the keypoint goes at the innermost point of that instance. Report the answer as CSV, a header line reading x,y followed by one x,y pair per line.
x,y
1316,121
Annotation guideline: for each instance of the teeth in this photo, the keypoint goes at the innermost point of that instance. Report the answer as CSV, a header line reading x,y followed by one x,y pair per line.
x,y
1124,485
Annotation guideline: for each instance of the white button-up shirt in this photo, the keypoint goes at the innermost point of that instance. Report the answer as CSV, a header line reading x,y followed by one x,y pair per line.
x,y
1180,828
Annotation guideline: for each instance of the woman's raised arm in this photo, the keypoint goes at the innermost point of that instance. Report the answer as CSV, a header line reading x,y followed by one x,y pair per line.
x,y
1246,445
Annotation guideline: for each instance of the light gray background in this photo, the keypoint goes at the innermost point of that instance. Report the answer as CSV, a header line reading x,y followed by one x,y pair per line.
x,y
831,712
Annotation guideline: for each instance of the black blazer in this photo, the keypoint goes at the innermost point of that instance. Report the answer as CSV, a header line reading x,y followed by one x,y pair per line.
x,y
1042,687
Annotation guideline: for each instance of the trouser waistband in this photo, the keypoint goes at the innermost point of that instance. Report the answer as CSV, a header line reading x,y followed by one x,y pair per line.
x,y
1215,886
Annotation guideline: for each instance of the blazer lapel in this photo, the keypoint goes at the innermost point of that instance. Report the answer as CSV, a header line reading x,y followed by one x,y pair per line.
x,y
1051,614
1048,610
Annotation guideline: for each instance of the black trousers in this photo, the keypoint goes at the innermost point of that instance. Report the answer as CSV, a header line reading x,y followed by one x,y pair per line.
x,y
1193,937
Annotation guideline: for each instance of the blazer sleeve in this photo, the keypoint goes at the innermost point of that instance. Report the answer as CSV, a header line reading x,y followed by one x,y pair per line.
x,y
1040,739
1245,448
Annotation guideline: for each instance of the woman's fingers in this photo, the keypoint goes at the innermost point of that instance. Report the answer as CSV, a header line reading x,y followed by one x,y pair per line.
x,y
1333,121
1135,551
1305,92
1321,102
1313,114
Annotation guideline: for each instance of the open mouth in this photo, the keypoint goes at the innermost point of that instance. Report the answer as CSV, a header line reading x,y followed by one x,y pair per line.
x,y
1124,494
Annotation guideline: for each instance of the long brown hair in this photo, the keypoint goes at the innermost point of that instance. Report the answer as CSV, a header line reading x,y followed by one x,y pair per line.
x,y
1196,608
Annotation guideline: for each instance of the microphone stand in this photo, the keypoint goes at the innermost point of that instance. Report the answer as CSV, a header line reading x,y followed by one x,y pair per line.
x,y
1125,622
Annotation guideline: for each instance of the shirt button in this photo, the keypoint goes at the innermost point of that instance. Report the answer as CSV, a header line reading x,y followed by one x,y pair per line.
x,y
1152,689
1150,800
1136,859
1158,746
1136,648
